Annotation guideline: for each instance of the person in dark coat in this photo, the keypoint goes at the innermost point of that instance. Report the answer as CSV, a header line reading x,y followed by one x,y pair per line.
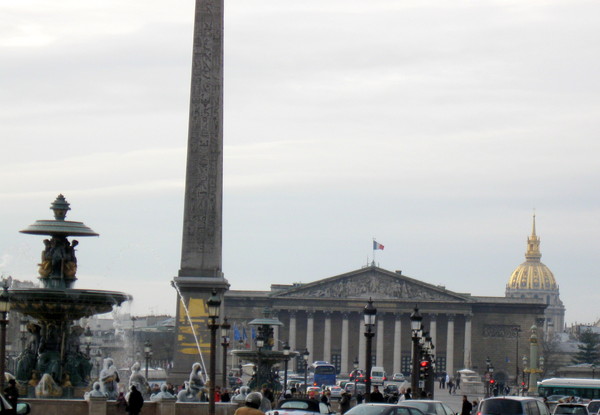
x,y
135,401
345,402
467,407
376,396
12,395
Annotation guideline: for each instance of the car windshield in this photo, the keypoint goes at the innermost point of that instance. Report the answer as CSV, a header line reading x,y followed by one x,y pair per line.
x,y
423,406
500,406
294,404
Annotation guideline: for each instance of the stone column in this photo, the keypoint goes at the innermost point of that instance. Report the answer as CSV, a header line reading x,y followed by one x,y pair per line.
x,y
292,337
275,336
450,346
310,343
327,337
344,345
433,330
467,361
380,335
398,344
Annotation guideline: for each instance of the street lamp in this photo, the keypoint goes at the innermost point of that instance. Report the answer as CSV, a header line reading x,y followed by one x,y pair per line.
x,y
305,357
214,306
415,326
87,336
225,343
147,354
260,342
286,355
4,309
370,315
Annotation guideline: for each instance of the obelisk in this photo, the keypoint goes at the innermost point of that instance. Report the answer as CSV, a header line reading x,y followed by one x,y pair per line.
x,y
201,258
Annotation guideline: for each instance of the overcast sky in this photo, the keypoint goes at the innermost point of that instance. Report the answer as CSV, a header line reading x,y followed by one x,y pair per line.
x,y
434,126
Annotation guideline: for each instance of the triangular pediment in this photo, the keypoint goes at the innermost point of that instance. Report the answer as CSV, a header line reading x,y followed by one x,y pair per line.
x,y
372,282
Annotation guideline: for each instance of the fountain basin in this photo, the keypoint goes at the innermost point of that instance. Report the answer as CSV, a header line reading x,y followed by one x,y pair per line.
x,y
64,304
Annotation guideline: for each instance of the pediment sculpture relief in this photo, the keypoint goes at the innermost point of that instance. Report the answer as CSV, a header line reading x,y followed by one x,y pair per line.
x,y
364,286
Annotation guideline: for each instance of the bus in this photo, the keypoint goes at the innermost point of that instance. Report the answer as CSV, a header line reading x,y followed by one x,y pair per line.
x,y
324,373
583,388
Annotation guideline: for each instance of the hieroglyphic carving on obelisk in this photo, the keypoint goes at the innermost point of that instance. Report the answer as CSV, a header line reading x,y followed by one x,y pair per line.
x,y
201,253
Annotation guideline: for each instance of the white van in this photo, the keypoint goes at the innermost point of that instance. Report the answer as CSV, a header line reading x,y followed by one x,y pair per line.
x,y
378,375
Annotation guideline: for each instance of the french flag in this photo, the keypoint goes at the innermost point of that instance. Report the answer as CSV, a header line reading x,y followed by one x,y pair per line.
x,y
377,245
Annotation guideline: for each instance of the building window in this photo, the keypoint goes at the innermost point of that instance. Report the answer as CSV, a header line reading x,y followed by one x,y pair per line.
x,y
406,364
440,364
336,360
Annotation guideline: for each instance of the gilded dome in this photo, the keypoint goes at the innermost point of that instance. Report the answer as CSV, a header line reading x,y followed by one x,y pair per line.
x,y
532,274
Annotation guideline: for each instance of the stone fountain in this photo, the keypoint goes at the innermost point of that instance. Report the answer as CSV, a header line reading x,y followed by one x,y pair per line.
x,y
53,348
264,358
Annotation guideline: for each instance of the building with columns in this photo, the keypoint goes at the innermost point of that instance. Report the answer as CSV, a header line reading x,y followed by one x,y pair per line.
x,y
325,317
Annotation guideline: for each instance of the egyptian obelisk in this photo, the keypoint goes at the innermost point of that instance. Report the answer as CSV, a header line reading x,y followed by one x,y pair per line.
x,y
201,257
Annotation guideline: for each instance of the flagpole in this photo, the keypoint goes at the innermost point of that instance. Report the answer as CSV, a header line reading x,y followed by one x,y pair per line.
x,y
373,250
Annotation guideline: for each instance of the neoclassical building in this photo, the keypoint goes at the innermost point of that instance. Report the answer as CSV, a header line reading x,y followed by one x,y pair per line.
x,y
533,279
325,317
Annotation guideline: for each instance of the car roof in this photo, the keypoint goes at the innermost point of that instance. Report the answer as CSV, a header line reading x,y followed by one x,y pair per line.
x,y
512,398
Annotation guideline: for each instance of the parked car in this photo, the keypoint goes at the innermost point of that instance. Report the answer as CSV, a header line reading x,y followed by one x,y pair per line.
x,y
299,407
383,409
512,405
431,407
336,391
571,409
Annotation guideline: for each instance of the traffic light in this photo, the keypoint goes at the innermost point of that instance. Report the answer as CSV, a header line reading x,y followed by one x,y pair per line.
x,y
424,368
492,381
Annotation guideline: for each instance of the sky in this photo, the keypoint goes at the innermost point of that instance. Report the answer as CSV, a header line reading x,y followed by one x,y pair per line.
x,y
434,126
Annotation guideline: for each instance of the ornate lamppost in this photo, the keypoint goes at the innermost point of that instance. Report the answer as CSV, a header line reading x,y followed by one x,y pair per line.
x,y
4,309
286,354
370,315
147,354
415,327
260,343
87,336
536,364
214,307
225,343
305,357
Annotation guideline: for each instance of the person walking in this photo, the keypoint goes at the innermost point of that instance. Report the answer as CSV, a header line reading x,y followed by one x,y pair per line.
x,y
467,407
345,402
135,401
